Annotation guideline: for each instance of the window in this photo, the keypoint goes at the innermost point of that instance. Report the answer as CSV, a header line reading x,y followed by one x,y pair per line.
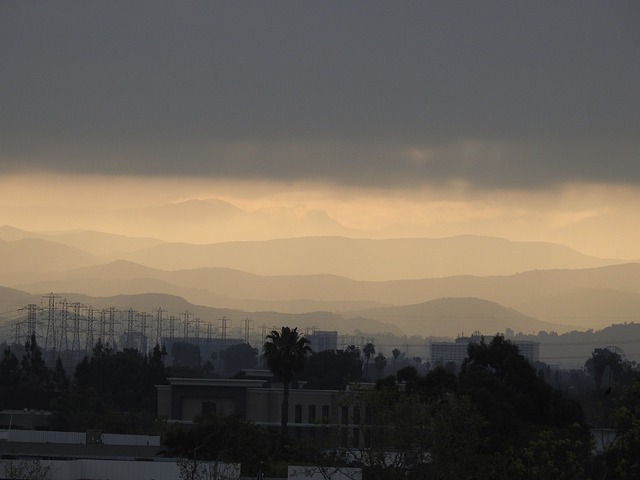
x,y
312,413
325,414
345,415
356,415
298,413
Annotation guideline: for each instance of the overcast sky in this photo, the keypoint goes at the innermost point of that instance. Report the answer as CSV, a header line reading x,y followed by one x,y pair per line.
x,y
493,94
512,119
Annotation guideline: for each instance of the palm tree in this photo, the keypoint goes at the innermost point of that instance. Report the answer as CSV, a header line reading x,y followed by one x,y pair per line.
x,y
286,353
396,353
380,362
369,349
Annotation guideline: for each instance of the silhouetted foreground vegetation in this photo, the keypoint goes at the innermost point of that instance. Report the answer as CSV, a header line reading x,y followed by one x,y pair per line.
x,y
498,417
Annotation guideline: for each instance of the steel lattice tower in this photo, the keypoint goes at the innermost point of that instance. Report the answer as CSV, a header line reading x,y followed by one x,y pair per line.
x,y
185,325
197,322
112,327
32,321
102,326
159,326
90,327
75,338
172,326
247,322
225,323
51,338
64,325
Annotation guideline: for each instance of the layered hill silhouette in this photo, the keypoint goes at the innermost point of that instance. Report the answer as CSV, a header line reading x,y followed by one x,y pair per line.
x,y
586,293
360,259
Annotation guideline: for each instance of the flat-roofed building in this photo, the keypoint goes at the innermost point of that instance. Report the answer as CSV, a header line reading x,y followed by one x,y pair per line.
x,y
456,352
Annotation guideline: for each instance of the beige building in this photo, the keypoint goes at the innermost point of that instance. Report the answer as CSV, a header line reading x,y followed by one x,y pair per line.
x,y
256,399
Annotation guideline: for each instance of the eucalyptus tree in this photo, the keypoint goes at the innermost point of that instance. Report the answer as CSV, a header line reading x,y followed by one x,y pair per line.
x,y
286,353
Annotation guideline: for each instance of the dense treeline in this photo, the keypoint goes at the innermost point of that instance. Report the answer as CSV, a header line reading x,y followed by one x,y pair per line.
x,y
497,416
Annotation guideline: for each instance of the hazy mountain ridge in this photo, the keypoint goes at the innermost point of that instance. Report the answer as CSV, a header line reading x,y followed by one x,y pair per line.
x,y
557,296
92,242
355,258
462,315
369,259
35,255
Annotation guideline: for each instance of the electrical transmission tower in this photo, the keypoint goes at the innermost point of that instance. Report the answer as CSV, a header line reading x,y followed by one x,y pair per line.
x,y
64,325
246,323
143,346
210,331
197,323
102,326
172,326
51,338
130,317
112,327
75,338
32,322
263,329
159,326
90,327
185,324
225,324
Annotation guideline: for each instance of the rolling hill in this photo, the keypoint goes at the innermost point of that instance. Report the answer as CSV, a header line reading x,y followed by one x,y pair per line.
x,y
367,259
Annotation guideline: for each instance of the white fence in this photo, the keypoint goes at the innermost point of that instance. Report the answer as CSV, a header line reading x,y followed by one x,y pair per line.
x,y
115,470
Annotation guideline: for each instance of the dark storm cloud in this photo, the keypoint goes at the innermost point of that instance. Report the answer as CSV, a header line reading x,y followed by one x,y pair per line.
x,y
495,93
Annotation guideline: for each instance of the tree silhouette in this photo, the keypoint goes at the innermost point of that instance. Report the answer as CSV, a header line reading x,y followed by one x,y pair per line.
x,y
369,349
34,370
238,357
380,362
332,369
9,370
604,366
396,354
286,354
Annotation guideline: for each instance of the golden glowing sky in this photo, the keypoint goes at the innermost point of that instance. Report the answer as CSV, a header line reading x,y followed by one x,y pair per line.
x,y
599,220
375,119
